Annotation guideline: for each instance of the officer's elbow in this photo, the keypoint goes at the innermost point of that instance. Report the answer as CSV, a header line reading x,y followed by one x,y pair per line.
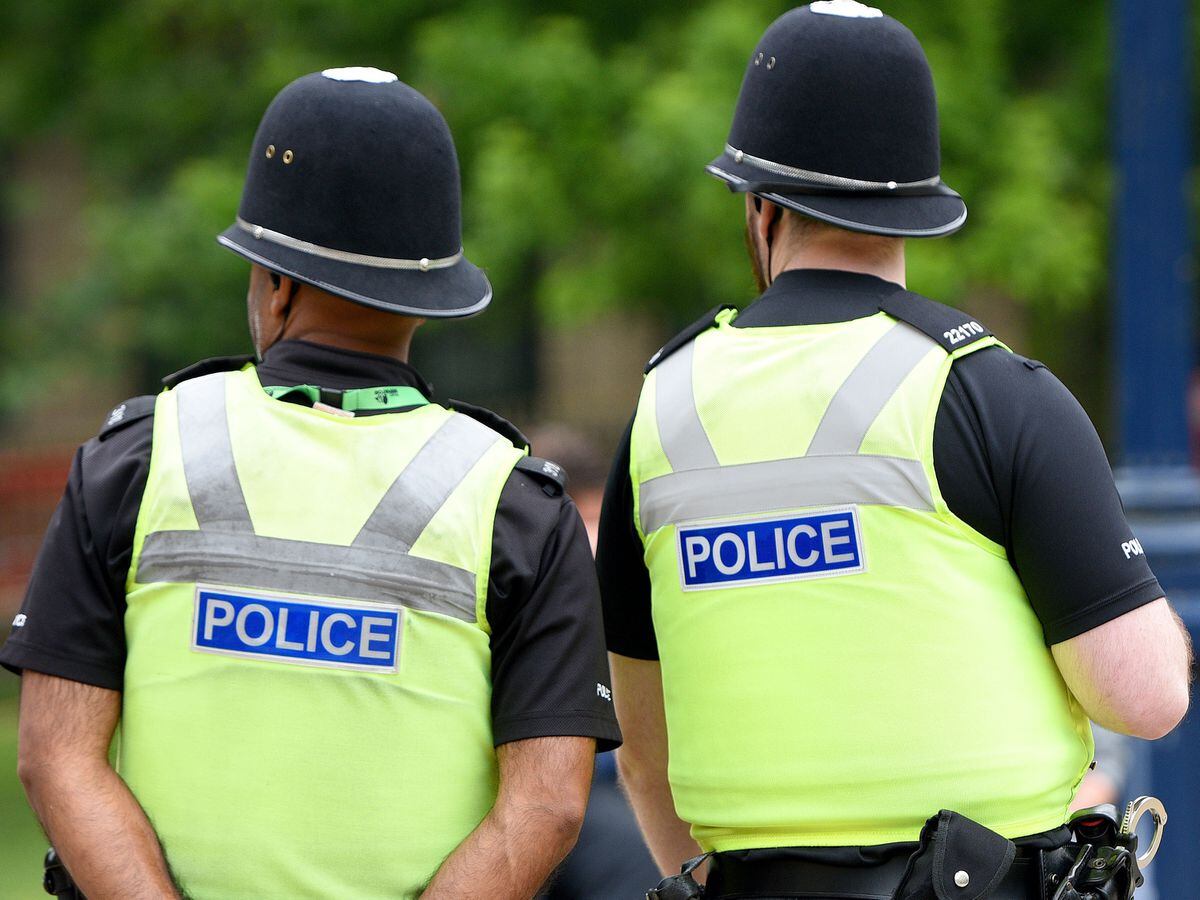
x,y
28,771
1164,711
640,775
567,821
553,824
630,770
35,767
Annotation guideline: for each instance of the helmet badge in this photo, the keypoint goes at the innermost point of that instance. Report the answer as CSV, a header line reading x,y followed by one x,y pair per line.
x,y
848,9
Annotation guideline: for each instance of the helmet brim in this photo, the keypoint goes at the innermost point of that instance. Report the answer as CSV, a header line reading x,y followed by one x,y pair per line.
x,y
456,291
934,212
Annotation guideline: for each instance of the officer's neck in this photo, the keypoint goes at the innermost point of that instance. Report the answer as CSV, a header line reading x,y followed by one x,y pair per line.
x,y
321,318
846,252
397,346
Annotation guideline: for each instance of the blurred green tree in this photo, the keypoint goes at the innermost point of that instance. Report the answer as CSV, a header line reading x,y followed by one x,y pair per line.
x,y
583,130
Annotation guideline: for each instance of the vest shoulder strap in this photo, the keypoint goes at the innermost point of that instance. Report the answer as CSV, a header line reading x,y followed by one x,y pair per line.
x,y
952,329
125,414
207,367
688,335
550,475
494,421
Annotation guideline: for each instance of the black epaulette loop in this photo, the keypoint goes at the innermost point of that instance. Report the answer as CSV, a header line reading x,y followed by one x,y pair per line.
x,y
951,328
552,476
492,420
207,367
126,413
689,334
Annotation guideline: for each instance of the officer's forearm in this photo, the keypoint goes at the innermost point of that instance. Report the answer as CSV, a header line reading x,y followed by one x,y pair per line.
x,y
544,784
1131,674
642,761
95,823
668,837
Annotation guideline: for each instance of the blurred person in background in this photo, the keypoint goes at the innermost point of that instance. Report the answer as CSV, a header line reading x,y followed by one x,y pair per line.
x,y
610,858
351,636
865,571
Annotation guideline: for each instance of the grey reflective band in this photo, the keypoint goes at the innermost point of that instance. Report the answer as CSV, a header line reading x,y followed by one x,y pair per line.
x,y
208,465
867,390
360,259
322,570
376,566
426,482
831,473
834,181
684,440
795,483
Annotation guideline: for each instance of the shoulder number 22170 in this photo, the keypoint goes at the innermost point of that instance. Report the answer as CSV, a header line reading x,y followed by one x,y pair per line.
x,y
964,332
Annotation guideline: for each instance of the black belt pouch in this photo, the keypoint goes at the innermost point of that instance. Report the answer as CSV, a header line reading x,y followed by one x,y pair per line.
x,y
955,847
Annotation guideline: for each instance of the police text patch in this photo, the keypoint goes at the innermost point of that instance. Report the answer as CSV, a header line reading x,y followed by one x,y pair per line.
x,y
342,634
764,550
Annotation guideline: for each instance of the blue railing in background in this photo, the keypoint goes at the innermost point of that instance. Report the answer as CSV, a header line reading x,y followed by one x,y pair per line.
x,y
1156,332
1164,510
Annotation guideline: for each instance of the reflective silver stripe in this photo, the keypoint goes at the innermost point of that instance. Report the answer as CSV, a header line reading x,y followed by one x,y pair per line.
x,y
430,477
375,567
680,430
796,483
323,570
867,389
380,262
836,181
208,465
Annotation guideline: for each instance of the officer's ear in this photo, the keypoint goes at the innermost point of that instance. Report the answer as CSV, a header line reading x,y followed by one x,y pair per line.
x,y
283,291
765,216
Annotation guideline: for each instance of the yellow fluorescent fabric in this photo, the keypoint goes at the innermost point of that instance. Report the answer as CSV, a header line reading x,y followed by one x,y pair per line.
x,y
847,709
267,778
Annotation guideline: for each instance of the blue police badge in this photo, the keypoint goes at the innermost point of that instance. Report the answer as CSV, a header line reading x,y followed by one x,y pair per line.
x,y
765,550
341,634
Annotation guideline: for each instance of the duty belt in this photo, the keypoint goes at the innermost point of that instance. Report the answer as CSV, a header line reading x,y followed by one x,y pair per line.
x,y
956,858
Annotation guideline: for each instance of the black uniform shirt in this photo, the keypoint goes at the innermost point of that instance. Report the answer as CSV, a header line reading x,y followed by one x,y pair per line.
x,y
547,645
1016,458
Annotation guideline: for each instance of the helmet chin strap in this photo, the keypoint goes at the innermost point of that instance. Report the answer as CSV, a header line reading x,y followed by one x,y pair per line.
x,y
276,281
768,274
278,336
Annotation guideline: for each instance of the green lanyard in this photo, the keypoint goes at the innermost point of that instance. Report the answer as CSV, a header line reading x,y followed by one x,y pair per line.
x,y
372,398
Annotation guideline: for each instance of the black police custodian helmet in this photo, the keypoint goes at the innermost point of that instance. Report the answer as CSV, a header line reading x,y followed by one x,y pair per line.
x,y
353,187
837,119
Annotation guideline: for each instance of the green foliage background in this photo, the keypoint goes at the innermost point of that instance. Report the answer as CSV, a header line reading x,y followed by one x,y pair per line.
x,y
583,129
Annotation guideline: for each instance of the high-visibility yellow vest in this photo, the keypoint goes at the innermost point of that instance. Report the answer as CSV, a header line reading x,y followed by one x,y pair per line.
x,y
307,693
841,655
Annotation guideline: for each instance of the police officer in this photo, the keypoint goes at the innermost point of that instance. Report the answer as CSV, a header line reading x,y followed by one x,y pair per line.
x,y
351,635
860,563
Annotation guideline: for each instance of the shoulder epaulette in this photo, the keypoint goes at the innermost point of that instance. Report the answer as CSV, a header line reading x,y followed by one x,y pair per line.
x,y
492,420
126,413
551,474
688,335
207,367
952,328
